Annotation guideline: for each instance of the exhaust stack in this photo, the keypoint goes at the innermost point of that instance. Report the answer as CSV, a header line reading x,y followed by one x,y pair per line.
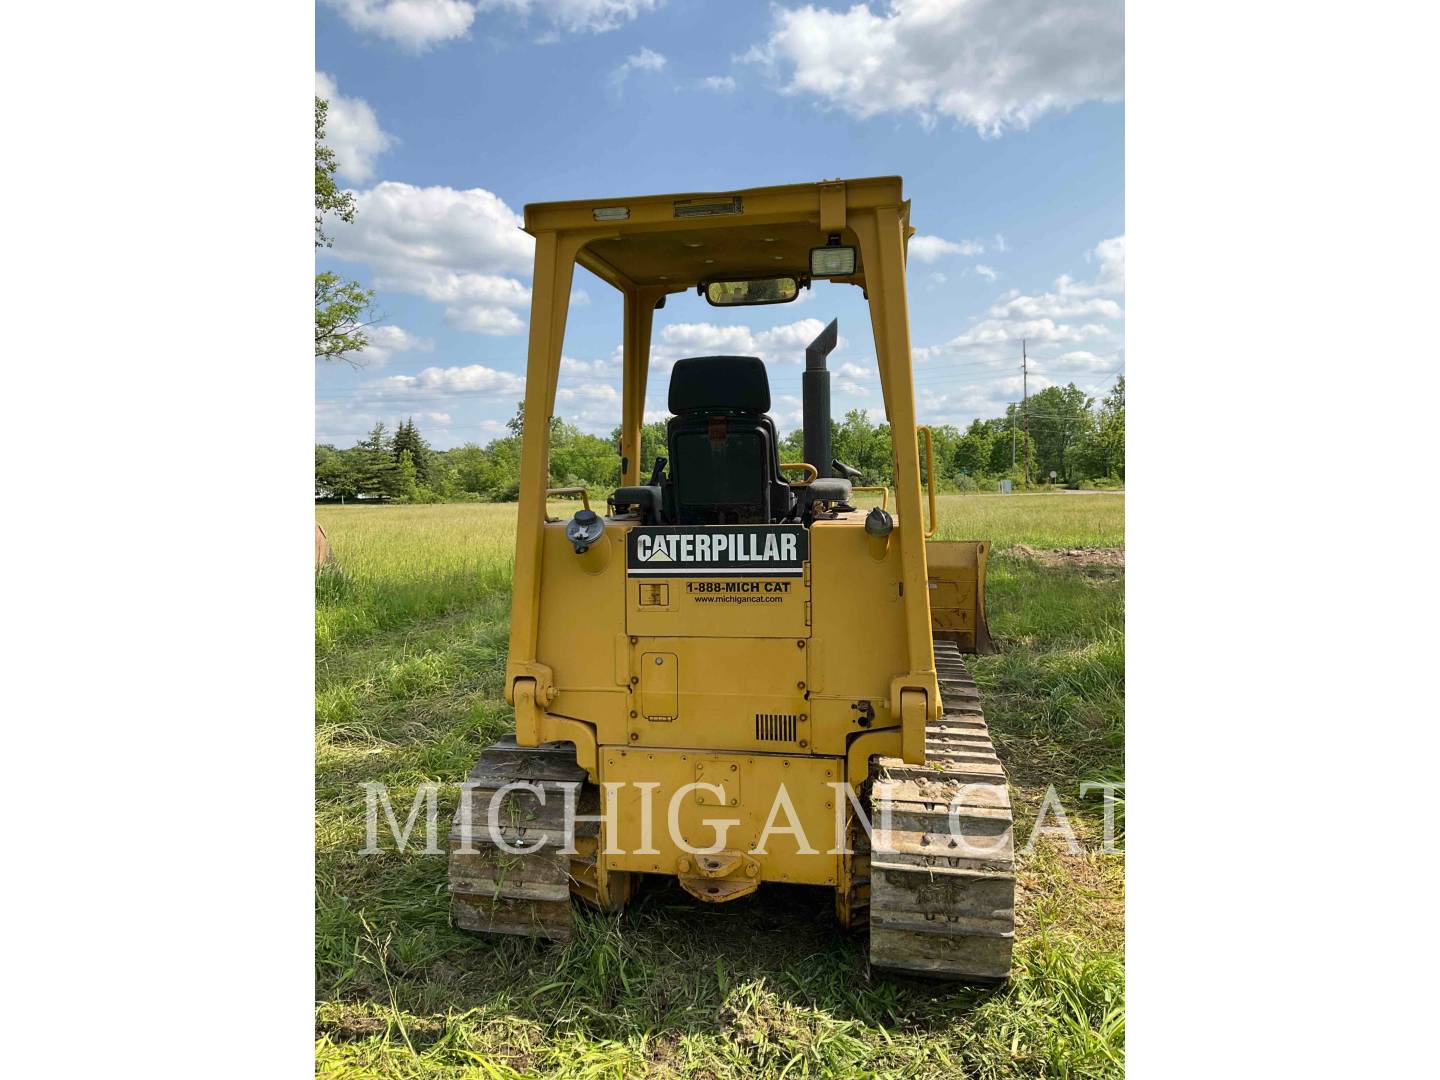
x,y
815,389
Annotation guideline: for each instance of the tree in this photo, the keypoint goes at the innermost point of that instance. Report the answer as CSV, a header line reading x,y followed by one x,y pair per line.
x,y
578,459
1104,450
864,446
1060,418
341,306
654,443
408,440
974,449
516,423
335,474
404,484
375,465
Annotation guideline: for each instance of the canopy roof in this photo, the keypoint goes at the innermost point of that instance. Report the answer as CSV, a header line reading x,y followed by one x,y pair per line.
x,y
679,241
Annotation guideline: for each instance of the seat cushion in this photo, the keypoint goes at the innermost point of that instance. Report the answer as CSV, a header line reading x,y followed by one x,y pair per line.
x,y
722,383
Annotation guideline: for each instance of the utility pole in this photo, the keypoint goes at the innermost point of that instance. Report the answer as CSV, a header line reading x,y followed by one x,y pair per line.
x,y
1025,385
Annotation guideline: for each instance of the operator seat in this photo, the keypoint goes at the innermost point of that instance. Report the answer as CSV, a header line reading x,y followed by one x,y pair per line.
x,y
724,452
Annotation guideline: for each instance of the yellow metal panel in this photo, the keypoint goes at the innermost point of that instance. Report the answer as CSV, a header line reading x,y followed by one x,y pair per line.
x,y
659,686
576,641
859,628
724,684
718,607
752,781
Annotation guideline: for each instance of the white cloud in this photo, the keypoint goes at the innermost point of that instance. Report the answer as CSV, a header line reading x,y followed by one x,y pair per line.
x,y
850,378
1054,306
986,272
699,339
602,392
453,247
781,344
576,16
414,25
497,322
602,368
436,227
644,60
721,84
1079,362
1074,333
386,340
929,249
352,131
1041,317
999,243
439,381
988,64
1110,277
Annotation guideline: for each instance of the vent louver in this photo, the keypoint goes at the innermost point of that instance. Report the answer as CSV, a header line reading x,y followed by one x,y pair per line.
x,y
775,727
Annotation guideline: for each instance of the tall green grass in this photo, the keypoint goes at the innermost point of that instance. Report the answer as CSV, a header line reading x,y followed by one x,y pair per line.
x,y
1051,520
409,691
398,564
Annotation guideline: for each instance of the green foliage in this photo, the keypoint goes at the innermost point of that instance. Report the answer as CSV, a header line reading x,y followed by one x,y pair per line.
x,y
864,446
330,198
341,316
1060,418
1085,447
408,440
341,306
1101,454
581,460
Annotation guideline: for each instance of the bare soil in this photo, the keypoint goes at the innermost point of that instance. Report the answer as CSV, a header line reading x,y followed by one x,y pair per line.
x,y
1077,557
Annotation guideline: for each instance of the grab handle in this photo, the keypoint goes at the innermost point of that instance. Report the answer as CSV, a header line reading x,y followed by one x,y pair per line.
x,y
929,475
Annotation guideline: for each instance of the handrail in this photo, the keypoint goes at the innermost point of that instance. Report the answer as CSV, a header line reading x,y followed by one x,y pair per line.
x,y
814,472
929,475
884,494
584,498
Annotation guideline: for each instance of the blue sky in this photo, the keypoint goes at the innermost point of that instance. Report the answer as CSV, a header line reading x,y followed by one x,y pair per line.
x,y
1004,118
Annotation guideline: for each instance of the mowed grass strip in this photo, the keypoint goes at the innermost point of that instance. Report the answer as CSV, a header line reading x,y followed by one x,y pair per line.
x,y
410,673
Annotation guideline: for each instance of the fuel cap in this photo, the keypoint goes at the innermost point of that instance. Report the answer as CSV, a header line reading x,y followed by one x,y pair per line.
x,y
584,529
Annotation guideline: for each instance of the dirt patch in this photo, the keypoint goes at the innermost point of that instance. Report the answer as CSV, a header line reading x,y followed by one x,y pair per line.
x,y
1077,557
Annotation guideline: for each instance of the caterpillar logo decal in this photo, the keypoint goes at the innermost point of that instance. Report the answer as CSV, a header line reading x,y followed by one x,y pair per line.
x,y
718,550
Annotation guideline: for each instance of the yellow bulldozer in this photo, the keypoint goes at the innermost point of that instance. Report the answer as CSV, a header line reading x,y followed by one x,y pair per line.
x,y
744,670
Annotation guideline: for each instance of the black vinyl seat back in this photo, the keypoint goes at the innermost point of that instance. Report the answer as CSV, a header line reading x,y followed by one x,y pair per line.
x,y
724,452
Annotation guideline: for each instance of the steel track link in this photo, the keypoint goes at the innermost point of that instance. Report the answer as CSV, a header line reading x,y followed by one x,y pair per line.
x,y
938,881
497,891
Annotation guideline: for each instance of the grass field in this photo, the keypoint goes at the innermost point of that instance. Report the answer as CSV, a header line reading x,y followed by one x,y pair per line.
x,y
411,641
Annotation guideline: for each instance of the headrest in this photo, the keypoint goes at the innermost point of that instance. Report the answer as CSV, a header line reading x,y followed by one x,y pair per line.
x,y
719,382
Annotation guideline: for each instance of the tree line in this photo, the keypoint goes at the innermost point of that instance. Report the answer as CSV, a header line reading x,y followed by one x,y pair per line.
x,y
1067,432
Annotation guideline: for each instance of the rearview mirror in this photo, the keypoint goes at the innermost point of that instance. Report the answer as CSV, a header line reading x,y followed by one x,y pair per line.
x,y
780,290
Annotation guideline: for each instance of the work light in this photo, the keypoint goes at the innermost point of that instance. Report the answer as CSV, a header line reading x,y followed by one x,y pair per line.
x,y
833,261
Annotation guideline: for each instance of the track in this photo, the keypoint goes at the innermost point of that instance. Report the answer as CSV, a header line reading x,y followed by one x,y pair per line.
x,y
939,882
495,891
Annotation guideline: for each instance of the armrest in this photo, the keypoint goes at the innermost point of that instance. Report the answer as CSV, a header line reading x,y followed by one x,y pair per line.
x,y
643,497
829,489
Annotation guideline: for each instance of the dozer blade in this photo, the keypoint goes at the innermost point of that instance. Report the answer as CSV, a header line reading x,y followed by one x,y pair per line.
x,y
957,593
